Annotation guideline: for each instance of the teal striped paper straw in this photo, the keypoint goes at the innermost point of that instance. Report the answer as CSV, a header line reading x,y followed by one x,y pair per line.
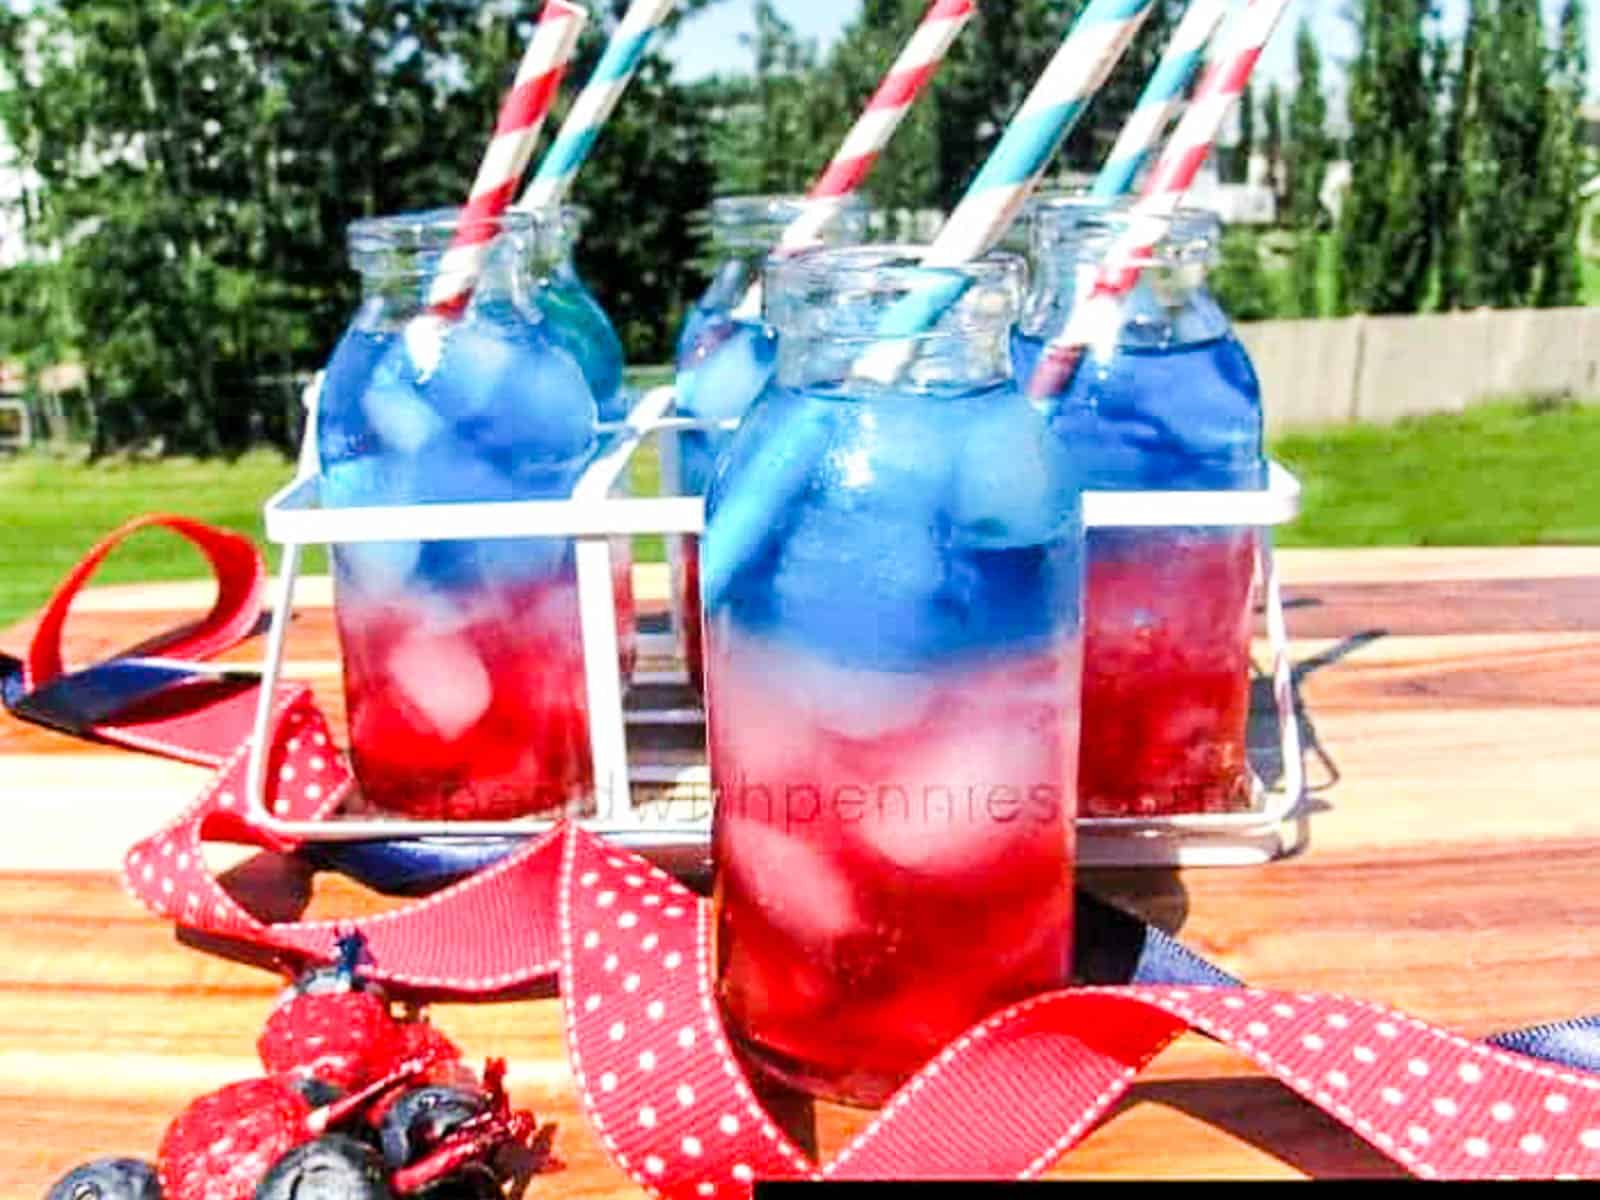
x,y
594,105
1093,47
1091,50
1096,42
1162,100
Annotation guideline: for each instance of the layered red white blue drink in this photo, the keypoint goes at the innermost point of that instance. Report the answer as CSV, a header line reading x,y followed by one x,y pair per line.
x,y
463,661
1174,406
891,580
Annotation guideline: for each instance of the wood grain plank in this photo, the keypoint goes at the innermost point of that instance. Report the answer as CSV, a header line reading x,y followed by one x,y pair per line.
x,y
1449,872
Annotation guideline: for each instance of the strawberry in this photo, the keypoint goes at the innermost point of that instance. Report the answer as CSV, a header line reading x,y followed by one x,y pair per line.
x,y
221,1146
420,1038
346,1039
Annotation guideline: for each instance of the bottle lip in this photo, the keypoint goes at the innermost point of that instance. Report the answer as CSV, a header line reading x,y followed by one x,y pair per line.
x,y
878,276
777,206
1088,223
427,231
754,223
565,218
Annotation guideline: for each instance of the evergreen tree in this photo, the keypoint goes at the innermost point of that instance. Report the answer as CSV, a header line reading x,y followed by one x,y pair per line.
x,y
1500,222
1245,150
996,63
1273,146
989,71
1559,211
1306,158
1454,178
1385,246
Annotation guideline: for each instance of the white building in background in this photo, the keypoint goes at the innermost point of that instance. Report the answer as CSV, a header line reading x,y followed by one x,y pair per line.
x,y
1250,203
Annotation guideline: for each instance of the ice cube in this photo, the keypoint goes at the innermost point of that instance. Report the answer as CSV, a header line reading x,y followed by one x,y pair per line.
x,y
862,705
368,479
424,339
862,585
378,569
450,469
443,679
354,361
726,381
800,888
395,411
900,456
969,797
514,391
1009,486
858,704
521,560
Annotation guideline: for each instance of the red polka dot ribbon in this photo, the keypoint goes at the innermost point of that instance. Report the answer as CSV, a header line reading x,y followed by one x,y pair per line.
x,y
656,1075
666,1095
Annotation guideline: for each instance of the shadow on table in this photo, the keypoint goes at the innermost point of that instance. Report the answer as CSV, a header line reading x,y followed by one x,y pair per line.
x,y
1264,738
1264,1113
1258,1111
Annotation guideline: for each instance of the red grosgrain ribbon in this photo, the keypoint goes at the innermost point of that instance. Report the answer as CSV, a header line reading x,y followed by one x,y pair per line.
x,y
656,1075
199,720
668,1099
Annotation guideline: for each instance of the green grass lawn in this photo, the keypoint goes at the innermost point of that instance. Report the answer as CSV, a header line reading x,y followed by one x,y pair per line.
x,y
1499,475
1502,474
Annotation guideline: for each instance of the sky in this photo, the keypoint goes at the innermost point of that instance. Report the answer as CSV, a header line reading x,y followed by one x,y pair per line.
x,y
710,42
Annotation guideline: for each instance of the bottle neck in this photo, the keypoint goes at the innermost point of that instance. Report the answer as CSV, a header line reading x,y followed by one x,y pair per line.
x,y
552,241
746,229
831,309
399,259
1172,304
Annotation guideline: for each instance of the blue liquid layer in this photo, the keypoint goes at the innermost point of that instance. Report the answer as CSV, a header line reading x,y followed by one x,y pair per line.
x,y
505,415
723,367
897,533
1181,419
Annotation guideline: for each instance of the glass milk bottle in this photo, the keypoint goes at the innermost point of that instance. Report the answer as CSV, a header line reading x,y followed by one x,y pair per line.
x,y
891,576
463,660
726,355
581,327
1174,407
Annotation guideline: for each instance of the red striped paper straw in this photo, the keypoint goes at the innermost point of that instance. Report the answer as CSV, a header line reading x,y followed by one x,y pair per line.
x,y
907,79
1097,320
522,115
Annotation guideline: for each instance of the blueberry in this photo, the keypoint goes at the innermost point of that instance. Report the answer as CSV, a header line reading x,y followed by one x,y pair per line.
x,y
421,1118
332,1167
108,1179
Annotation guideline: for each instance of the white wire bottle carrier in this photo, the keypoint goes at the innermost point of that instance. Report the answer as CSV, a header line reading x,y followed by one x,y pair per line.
x,y
660,803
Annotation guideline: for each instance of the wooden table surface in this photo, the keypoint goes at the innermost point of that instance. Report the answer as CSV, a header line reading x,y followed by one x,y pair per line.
x,y
1455,696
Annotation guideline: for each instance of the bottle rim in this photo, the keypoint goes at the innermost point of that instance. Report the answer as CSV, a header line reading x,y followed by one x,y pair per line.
x,y
989,296
410,243
754,223
1186,235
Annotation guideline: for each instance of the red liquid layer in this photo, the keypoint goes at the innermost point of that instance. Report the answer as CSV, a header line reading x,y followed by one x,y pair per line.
x,y
627,607
468,706
686,609
893,856
1166,681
